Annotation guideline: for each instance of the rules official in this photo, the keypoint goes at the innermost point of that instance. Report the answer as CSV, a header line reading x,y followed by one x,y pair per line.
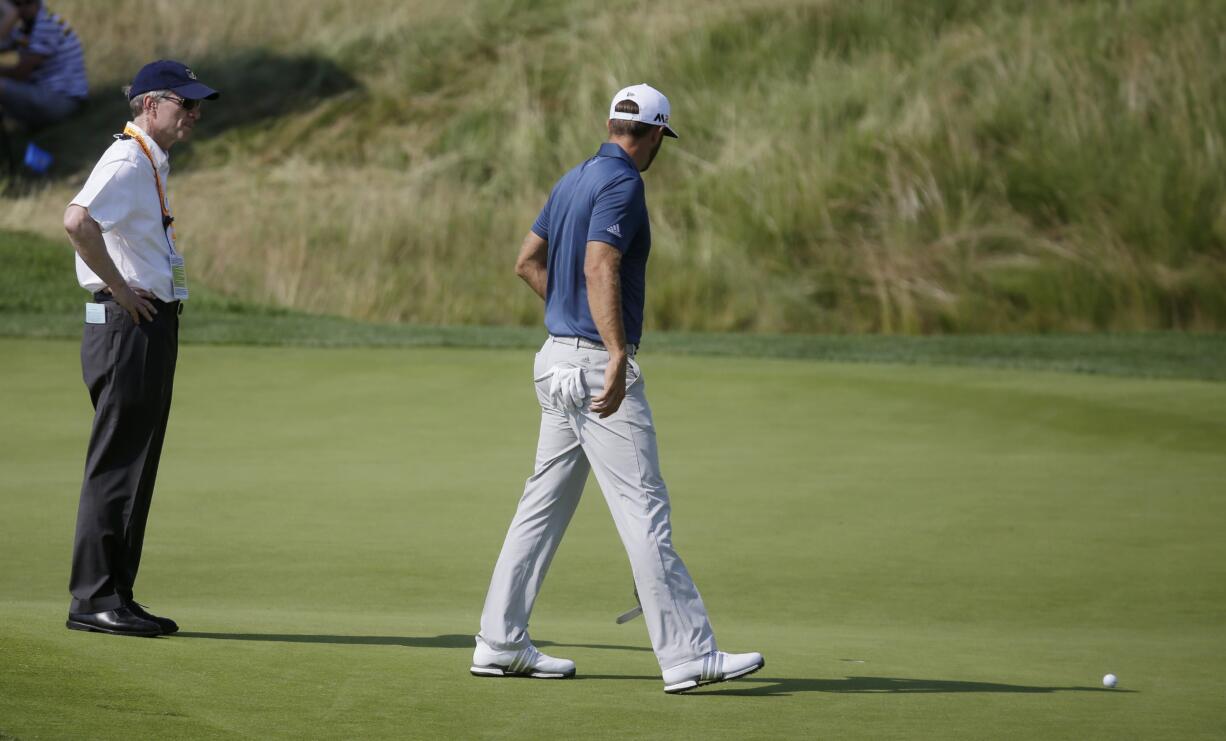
x,y
122,226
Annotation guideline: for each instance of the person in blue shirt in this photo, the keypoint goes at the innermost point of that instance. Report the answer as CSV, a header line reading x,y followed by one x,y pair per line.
x,y
48,82
586,256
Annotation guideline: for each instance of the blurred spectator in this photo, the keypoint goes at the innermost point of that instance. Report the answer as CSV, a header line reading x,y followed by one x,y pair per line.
x,y
48,82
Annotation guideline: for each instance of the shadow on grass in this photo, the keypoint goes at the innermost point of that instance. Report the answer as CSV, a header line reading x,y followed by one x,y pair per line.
x,y
443,641
255,84
784,687
747,687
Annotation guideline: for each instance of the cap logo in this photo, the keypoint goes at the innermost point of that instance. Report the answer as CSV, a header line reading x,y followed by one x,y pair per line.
x,y
190,75
662,118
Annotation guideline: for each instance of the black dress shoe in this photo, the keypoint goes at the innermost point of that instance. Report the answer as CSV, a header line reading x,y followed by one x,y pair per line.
x,y
167,625
120,622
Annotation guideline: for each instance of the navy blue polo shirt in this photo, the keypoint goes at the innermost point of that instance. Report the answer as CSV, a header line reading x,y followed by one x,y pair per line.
x,y
601,200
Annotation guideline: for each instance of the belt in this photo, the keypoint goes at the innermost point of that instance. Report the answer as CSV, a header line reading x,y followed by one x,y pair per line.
x,y
577,342
102,297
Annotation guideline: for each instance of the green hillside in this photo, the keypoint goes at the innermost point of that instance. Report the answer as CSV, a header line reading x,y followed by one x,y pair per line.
x,y
946,166
39,297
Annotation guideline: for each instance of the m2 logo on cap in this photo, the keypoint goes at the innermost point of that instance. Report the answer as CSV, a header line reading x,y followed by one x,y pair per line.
x,y
662,118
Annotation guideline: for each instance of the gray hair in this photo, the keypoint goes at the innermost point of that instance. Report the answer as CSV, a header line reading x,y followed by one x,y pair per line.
x,y
137,104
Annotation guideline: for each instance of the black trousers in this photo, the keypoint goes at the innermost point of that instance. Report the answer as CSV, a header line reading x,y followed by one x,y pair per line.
x,y
129,370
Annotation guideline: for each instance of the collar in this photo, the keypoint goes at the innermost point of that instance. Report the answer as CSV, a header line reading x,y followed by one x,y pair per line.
x,y
609,149
160,157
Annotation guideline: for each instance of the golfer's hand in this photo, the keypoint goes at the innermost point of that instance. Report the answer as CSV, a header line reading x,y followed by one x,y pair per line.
x,y
610,399
135,301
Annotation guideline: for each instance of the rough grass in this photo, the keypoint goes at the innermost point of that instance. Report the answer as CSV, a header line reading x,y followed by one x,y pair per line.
x,y
39,298
935,167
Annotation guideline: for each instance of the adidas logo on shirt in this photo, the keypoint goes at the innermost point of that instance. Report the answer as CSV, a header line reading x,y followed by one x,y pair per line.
x,y
615,230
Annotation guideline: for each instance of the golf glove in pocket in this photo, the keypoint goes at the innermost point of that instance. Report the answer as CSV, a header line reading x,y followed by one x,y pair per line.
x,y
566,387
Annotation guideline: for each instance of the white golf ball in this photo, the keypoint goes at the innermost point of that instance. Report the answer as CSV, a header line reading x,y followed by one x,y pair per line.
x,y
1109,680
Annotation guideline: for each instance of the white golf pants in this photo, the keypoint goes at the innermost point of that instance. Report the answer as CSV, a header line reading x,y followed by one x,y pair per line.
x,y
621,450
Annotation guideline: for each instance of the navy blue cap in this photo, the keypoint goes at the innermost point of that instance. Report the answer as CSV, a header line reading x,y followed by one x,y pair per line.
x,y
165,74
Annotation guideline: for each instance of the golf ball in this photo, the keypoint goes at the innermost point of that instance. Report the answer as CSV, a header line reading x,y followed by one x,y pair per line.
x,y
1109,680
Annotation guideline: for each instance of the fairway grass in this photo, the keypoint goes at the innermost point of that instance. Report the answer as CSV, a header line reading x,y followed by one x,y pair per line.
x,y
919,552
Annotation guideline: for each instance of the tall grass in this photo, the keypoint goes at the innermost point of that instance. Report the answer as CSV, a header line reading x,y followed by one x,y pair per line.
x,y
898,167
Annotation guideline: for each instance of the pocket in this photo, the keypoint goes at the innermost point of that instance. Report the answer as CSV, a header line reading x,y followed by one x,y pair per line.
x,y
633,373
537,363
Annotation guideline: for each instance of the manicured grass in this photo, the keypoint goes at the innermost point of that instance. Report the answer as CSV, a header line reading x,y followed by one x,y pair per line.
x,y
920,552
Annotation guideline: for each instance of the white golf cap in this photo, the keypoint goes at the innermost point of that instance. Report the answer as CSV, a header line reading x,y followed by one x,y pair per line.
x,y
653,106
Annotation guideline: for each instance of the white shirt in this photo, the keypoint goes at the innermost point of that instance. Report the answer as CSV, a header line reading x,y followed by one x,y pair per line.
x,y
122,196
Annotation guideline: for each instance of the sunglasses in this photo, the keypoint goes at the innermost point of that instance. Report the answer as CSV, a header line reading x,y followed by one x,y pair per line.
x,y
187,105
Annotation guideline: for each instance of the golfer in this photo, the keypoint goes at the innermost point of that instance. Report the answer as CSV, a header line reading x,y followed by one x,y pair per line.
x,y
122,227
586,256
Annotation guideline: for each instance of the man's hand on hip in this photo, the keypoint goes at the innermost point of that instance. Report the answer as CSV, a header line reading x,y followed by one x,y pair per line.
x,y
86,237
610,399
135,301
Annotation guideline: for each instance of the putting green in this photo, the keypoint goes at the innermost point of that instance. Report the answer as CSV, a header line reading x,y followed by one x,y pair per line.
x,y
919,552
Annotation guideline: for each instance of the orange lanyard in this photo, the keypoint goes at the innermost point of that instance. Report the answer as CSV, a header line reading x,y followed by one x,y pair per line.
x,y
167,219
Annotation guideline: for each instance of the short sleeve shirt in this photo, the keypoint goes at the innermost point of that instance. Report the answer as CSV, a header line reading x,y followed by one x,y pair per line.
x,y
63,71
121,195
600,200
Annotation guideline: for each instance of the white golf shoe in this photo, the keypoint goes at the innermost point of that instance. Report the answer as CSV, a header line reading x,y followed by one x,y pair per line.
x,y
716,666
524,662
